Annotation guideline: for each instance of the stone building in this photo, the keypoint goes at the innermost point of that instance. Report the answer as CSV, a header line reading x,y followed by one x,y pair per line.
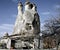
x,y
26,28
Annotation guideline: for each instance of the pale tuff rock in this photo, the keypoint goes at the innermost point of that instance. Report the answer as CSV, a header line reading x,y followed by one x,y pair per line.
x,y
27,6
28,18
26,29
27,22
19,20
36,21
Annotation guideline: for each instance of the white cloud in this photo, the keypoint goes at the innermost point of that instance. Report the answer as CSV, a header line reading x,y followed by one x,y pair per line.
x,y
56,6
6,28
45,13
3,33
42,26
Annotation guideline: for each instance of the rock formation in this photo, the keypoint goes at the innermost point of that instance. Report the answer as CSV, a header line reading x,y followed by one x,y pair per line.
x,y
26,29
27,22
19,21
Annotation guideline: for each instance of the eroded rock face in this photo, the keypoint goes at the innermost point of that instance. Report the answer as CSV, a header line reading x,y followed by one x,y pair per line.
x,y
27,25
27,22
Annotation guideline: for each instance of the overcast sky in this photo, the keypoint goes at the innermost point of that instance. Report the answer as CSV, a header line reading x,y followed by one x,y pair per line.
x,y
8,12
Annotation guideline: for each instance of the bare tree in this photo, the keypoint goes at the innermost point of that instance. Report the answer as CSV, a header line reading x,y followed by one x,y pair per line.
x,y
52,27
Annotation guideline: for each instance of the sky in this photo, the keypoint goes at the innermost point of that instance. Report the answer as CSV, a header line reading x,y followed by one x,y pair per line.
x,y
8,12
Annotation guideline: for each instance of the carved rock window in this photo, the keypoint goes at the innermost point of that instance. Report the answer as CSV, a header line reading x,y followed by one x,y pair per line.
x,y
28,27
